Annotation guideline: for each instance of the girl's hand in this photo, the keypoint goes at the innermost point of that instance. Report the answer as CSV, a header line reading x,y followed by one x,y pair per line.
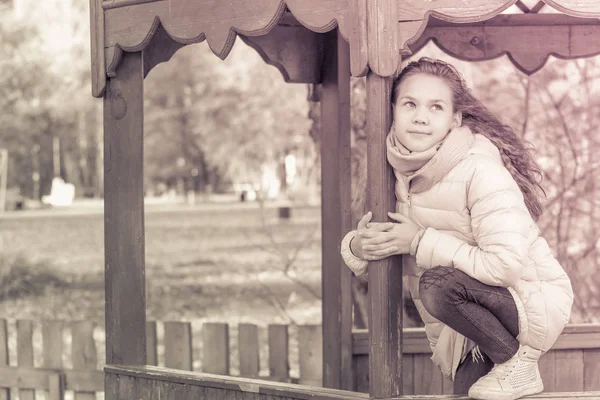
x,y
365,225
385,239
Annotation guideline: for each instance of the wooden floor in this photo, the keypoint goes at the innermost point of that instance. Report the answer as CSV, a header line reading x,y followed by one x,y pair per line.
x,y
148,382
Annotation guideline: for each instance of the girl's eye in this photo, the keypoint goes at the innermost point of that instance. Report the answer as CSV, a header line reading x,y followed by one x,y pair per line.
x,y
409,104
437,107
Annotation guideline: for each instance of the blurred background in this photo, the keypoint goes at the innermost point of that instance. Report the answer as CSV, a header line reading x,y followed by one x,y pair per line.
x,y
227,145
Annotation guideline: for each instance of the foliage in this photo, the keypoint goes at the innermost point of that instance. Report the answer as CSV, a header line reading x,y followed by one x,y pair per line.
x,y
21,277
225,120
44,92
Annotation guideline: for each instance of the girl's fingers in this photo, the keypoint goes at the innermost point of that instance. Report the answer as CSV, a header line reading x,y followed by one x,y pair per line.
x,y
362,224
381,226
377,242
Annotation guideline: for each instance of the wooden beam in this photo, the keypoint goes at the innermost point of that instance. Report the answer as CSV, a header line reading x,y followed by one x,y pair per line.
x,y
383,36
527,39
385,276
574,336
336,214
97,48
293,49
125,293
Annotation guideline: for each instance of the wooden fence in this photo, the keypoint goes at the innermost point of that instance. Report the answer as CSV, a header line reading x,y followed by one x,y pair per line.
x,y
84,377
572,365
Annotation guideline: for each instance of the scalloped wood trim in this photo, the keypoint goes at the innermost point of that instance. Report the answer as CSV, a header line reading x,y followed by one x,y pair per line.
x,y
131,24
527,40
160,49
294,50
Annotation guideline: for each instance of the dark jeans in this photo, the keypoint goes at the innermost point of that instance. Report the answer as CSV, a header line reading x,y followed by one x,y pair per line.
x,y
485,314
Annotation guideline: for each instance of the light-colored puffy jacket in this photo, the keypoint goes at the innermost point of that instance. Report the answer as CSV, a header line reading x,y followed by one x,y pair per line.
x,y
476,221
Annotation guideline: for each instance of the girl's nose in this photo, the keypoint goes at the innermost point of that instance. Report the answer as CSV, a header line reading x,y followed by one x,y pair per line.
x,y
419,116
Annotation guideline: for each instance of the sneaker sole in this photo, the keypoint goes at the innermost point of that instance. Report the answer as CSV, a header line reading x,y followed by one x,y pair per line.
x,y
488,394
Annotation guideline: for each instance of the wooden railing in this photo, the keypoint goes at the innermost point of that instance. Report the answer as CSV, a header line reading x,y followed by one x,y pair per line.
x,y
572,365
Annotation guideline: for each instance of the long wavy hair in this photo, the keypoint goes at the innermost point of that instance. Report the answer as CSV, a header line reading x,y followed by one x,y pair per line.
x,y
516,153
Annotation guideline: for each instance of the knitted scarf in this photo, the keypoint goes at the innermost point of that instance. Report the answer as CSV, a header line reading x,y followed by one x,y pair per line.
x,y
424,169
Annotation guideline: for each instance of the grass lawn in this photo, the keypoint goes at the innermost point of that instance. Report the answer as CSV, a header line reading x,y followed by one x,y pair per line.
x,y
203,264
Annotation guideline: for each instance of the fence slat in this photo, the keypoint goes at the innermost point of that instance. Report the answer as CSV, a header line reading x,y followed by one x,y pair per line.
x,y
310,343
52,349
591,361
408,374
25,353
151,343
427,376
56,390
84,354
4,361
249,350
569,370
178,345
279,366
548,371
216,348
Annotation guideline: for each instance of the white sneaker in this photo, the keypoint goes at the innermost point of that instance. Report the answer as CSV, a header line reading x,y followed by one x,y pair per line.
x,y
511,380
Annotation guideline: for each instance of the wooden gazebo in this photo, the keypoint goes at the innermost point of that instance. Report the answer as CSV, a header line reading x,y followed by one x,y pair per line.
x,y
310,41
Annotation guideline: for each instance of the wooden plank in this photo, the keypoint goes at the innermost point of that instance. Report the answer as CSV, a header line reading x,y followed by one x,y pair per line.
x,y
361,373
485,42
591,370
385,276
585,336
178,345
457,12
569,370
25,353
408,374
151,343
215,359
56,389
427,376
125,283
97,48
52,339
294,50
548,370
246,386
310,345
336,199
279,366
248,347
84,353
216,21
4,356
84,381
359,49
39,378
576,8
382,33
164,380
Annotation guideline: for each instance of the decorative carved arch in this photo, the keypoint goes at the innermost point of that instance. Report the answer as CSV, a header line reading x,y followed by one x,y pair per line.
x,y
130,25
527,40
379,31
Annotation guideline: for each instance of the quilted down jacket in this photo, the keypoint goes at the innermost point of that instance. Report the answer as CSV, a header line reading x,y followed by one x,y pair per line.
x,y
475,220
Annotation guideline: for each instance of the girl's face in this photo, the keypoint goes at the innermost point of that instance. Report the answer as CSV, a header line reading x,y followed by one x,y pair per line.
x,y
423,112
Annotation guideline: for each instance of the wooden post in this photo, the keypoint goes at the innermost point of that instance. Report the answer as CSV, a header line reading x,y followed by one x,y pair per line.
x,y
124,215
385,276
336,217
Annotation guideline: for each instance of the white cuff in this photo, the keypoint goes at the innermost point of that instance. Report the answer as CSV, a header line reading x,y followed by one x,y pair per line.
x,y
357,265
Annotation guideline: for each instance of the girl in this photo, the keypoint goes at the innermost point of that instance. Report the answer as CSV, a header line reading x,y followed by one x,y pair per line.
x,y
491,294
